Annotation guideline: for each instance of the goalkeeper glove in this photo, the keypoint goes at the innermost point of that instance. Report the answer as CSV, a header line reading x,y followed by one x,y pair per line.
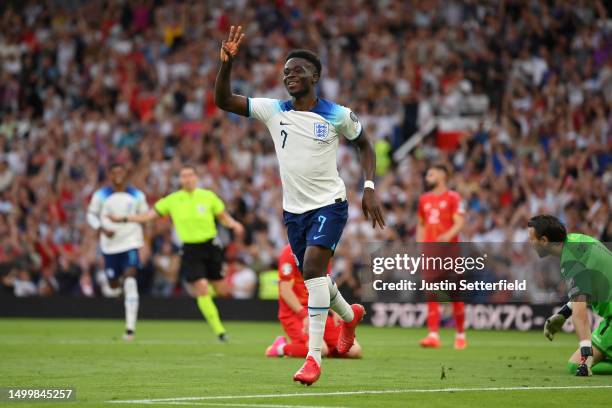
x,y
553,325
586,361
555,322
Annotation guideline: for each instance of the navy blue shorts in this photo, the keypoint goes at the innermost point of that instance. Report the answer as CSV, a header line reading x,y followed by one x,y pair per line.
x,y
116,264
320,227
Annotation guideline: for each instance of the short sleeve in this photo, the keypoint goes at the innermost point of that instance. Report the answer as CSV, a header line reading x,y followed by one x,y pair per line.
x,y
580,284
348,124
577,276
163,205
286,266
285,271
217,205
263,109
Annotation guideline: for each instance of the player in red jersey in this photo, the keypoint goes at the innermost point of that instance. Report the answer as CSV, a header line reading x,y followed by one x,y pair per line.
x,y
293,315
441,217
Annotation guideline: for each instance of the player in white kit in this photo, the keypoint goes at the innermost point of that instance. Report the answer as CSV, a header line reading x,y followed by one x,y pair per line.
x,y
306,131
119,242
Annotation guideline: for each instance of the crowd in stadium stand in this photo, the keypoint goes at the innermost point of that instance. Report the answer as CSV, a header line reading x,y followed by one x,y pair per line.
x,y
87,83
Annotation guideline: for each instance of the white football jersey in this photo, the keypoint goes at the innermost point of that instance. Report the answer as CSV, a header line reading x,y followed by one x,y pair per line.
x,y
127,235
306,144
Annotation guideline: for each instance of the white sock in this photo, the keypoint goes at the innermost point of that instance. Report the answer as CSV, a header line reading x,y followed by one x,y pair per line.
x,y
130,288
318,307
280,349
460,335
434,335
337,302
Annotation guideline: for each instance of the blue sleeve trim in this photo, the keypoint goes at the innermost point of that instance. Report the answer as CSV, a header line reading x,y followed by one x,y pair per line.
x,y
249,108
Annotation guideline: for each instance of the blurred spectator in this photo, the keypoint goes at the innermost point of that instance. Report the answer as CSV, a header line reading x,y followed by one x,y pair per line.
x,y
242,279
166,264
86,83
22,284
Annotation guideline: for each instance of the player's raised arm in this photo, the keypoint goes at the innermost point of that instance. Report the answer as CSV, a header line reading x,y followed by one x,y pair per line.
x,y
224,98
372,209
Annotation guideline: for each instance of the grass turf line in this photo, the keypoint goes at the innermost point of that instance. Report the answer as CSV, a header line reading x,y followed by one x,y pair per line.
x,y
174,359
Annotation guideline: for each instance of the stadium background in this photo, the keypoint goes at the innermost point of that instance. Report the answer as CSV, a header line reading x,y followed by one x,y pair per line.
x,y
514,95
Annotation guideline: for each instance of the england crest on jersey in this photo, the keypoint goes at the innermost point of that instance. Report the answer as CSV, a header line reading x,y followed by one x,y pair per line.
x,y
321,130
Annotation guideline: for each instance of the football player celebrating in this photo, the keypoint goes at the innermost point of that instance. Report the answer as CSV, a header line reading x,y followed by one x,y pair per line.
x,y
306,131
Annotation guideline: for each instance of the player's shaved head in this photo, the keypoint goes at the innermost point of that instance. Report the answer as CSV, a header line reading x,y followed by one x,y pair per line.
x,y
308,56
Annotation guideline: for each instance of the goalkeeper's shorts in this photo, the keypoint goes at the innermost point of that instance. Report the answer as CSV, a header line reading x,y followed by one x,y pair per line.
x,y
602,337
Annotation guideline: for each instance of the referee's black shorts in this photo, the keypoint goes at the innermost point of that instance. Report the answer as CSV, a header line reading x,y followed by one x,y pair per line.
x,y
201,261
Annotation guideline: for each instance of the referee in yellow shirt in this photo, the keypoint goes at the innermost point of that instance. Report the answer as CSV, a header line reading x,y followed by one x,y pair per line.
x,y
194,212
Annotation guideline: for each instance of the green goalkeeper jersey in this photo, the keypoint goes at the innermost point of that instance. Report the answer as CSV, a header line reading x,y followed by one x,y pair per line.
x,y
586,264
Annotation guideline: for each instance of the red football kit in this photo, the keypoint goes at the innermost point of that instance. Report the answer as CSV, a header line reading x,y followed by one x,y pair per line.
x,y
437,212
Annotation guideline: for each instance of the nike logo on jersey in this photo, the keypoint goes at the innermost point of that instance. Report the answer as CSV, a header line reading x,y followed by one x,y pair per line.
x,y
285,124
318,236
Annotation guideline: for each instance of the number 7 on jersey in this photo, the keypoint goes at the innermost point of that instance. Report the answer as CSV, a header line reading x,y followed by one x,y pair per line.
x,y
284,135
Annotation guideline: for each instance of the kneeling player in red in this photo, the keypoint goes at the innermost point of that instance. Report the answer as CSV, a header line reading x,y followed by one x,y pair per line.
x,y
293,316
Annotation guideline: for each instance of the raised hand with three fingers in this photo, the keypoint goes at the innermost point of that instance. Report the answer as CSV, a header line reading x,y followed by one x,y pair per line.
x,y
229,48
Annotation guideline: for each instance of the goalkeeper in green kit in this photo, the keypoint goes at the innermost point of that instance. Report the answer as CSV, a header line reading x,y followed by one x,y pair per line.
x,y
586,264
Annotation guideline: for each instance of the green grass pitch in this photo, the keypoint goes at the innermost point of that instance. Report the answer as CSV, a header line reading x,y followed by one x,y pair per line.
x,y
177,359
